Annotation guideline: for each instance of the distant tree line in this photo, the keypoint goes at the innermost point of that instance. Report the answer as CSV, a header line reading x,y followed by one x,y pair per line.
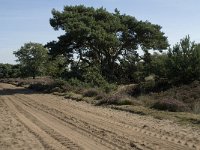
x,y
98,46
9,71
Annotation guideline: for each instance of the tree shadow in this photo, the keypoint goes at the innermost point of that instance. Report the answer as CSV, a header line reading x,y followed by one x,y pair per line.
x,y
4,92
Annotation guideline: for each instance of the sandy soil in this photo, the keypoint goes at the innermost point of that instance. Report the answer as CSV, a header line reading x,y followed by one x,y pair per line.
x,y
30,120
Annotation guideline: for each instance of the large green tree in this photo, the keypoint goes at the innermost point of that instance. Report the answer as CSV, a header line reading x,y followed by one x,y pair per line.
x,y
32,58
96,36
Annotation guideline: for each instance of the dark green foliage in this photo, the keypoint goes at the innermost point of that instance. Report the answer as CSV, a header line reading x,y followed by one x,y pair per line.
x,y
180,65
154,85
76,82
145,87
32,58
74,72
183,64
55,66
129,70
101,38
93,77
157,65
9,71
5,70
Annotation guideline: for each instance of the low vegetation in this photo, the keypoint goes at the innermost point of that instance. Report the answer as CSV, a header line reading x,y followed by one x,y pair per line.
x,y
170,105
90,93
111,59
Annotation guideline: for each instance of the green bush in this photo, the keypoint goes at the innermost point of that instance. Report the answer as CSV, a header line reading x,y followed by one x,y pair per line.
x,y
107,88
93,77
147,86
77,83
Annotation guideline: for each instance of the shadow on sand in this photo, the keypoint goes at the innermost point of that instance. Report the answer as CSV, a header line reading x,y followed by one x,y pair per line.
x,y
4,92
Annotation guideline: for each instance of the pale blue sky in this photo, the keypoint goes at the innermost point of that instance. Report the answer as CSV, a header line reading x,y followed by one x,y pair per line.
x,y
23,21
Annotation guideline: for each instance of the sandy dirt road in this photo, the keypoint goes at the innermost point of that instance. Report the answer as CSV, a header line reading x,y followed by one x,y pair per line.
x,y
29,120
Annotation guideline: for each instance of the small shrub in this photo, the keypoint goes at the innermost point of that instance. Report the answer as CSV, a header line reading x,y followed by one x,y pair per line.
x,y
73,96
93,76
76,82
109,99
78,90
188,94
56,89
132,90
153,85
100,96
77,85
196,108
124,102
59,82
170,104
115,100
66,87
149,84
146,100
107,88
91,93
42,87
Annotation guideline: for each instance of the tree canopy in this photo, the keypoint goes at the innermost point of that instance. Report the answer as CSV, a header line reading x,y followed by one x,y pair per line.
x,y
96,36
184,61
32,58
9,71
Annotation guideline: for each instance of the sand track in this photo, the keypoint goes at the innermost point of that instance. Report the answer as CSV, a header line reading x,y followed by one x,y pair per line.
x,y
51,122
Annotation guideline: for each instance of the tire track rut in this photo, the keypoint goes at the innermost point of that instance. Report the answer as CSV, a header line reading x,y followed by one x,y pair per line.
x,y
63,140
139,140
45,140
59,124
56,130
84,128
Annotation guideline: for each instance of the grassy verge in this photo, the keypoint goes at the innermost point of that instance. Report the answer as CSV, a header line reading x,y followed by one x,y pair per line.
x,y
183,118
